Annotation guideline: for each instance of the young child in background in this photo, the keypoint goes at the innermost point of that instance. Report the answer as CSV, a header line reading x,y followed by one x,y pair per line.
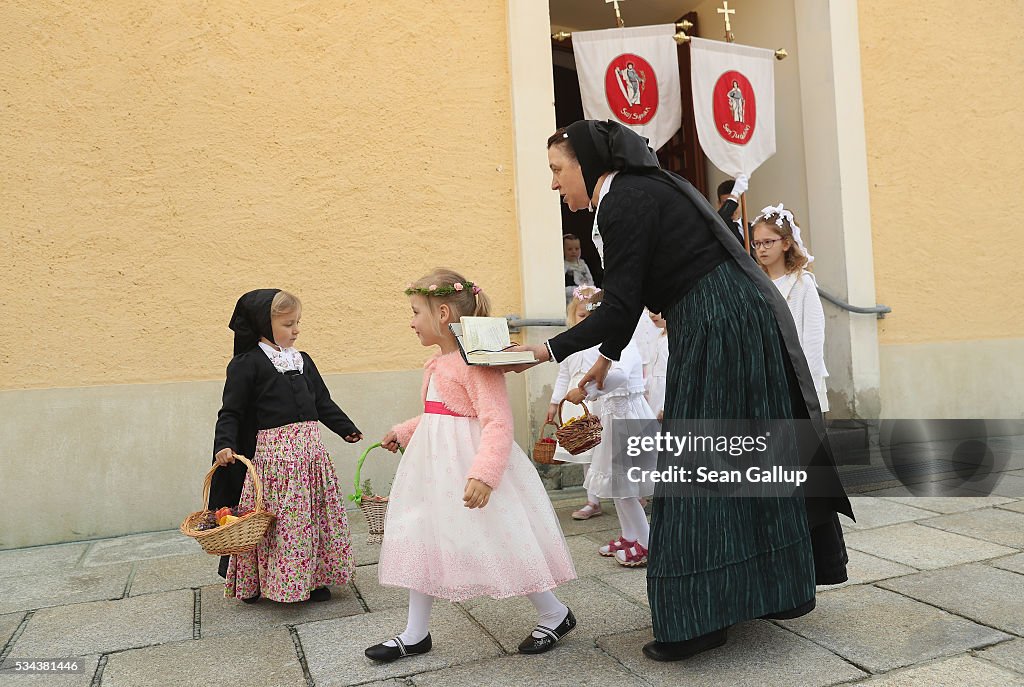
x,y
577,273
277,392
620,399
783,256
468,515
657,370
570,372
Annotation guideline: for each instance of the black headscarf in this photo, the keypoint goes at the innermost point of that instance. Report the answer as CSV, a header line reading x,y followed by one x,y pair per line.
x,y
251,319
608,146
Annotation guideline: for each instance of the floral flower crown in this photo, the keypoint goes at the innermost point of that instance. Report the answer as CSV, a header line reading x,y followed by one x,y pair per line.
x,y
582,293
443,289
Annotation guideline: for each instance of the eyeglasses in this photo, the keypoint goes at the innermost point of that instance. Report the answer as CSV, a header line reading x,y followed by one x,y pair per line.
x,y
758,245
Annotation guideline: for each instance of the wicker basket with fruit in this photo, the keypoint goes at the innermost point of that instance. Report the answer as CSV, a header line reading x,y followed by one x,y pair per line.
x,y
544,448
226,530
576,435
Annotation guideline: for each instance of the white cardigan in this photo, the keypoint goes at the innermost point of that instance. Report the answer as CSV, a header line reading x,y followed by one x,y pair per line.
x,y
800,291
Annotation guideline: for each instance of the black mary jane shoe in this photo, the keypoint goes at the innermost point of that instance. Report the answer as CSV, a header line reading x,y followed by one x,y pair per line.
x,y
677,651
538,645
386,654
320,594
802,609
252,599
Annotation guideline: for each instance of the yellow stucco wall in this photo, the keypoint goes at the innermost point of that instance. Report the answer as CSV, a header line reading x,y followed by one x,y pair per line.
x,y
160,159
944,132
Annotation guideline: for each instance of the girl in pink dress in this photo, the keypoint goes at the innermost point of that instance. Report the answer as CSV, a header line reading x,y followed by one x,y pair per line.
x,y
468,515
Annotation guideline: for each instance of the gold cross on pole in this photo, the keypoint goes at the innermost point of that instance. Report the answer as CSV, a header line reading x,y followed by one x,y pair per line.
x,y
618,15
724,10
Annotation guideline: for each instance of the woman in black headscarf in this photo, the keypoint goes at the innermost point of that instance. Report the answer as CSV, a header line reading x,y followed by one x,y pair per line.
x,y
733,354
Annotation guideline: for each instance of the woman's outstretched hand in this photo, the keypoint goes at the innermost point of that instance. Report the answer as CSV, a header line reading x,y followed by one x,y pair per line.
x,y
390,441
597,373
353,438
477,494
540,352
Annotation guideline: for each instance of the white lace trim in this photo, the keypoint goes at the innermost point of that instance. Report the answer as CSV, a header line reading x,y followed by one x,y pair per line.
x,y
284,360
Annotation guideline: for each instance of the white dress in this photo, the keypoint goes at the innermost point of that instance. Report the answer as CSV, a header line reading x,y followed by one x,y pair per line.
x,y
800,291
657,373
432,543
570,372
621,399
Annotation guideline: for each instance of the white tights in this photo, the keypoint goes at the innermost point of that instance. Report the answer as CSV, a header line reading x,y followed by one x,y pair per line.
x,y
550,614
633,521
591,496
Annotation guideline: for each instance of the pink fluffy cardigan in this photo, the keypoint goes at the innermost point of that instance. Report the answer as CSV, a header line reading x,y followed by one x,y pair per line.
x,y
472,391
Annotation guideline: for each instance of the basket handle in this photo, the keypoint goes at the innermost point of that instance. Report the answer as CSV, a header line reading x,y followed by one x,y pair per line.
x,y
256,485
546,423
358,496
586,411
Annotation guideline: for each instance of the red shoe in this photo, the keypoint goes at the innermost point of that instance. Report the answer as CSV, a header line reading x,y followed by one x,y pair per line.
x,y
618,544
633,556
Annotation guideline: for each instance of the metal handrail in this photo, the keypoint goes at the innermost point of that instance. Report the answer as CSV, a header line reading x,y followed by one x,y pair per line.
x,y
880,310
515,323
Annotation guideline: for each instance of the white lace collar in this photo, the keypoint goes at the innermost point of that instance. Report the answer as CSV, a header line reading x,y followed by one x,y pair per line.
x,y
285,360
595,233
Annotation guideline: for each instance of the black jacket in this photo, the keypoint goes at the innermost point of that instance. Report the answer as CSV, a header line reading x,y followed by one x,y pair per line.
x,y
257,396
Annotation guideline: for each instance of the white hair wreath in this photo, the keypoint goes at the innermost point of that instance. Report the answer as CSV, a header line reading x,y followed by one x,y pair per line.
x,y
780,213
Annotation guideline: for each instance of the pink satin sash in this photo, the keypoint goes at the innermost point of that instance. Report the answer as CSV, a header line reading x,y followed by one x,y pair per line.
x,y
438,408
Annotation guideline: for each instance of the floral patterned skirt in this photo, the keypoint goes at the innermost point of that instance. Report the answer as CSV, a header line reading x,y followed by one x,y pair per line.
x,y
307,546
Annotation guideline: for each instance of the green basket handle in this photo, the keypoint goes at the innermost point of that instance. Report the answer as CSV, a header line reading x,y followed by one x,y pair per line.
x,y
358,496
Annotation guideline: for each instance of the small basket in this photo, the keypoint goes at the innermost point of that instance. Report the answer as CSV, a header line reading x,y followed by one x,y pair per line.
x,y
544,451
240,536
581,435
374,508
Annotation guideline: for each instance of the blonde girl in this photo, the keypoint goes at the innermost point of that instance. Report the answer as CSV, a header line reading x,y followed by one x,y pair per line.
x,y
468,515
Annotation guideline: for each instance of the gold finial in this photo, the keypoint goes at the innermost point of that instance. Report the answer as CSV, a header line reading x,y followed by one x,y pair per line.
x,y
618,15
681,38
728,25
684,25
781,54
561,36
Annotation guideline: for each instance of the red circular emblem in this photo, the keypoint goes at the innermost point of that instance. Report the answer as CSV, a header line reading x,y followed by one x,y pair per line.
x,y
631,89
735,108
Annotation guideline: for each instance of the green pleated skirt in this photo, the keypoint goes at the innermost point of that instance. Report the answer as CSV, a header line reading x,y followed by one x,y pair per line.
x,y
714,562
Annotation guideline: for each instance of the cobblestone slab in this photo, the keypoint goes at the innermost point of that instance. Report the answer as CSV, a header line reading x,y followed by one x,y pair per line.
x,y
979,592
757,654
259,660
881,630
923,547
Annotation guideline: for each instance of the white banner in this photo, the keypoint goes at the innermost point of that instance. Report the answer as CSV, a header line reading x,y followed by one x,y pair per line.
x,y
733,103
631,76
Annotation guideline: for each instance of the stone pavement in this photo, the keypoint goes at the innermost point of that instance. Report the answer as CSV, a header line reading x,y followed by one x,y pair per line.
x,y
936,597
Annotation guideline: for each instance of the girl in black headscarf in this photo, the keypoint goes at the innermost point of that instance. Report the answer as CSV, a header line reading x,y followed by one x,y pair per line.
x,y
274,398
733,354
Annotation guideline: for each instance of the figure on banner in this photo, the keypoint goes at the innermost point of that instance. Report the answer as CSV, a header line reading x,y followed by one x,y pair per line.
x,y
737,103
631,81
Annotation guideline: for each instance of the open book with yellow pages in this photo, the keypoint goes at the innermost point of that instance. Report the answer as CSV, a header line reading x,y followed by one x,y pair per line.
x,y
484,340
